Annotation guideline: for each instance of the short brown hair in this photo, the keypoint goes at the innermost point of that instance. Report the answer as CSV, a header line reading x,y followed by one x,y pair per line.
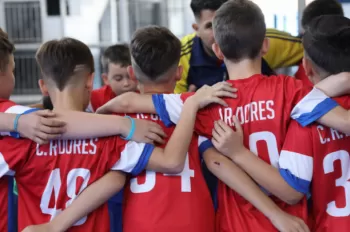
x,y
154,51
6,49
239,29
61,60
116,54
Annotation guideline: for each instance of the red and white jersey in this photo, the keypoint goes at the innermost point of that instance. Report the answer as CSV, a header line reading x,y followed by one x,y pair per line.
x,y
51,176
7,106
100,96
264,107
301,75
316,160
158,202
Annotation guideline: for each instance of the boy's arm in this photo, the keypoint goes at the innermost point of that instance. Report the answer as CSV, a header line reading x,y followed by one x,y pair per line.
x,y
230,144
315,106
39,126
90,199
129,102
167,106
239,181
171,159
86,125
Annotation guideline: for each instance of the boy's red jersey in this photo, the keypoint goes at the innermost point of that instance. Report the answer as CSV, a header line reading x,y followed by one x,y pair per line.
x,y
51,176
264,107
316,160
100,96
6,194
158,202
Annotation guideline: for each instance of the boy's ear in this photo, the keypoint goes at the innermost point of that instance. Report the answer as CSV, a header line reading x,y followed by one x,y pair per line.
x,y
43,87
179,71
105,78
309,71
131,73
90,82
217,51
265,47
195,27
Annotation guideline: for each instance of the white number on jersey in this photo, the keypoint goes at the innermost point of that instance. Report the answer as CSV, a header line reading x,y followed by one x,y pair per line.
x,y
54,186
272,149
150,181
271,143
343,181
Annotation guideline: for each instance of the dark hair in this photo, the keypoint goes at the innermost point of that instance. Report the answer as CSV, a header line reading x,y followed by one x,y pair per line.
x,y
239,29
47,103
326,44
60,60
6,49
320,7
198,6
116,54
154,51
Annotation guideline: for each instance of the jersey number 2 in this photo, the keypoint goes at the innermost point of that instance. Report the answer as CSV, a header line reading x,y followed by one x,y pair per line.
x,y
53,186
343,181
150,181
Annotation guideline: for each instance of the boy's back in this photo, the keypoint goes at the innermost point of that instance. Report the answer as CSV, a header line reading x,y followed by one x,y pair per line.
x,y
263,106
320,155
154,201
51,176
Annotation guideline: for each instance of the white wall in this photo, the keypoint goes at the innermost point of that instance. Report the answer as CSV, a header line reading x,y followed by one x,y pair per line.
x,y
346,7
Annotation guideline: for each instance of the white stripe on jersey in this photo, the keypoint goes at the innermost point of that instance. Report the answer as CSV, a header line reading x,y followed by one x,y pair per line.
x,y
4,167
129,157
201,139
174,104
308,103
299,165
17,109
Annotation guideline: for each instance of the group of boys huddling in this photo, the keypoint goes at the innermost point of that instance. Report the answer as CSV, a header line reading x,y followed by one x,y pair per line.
x,y
269,166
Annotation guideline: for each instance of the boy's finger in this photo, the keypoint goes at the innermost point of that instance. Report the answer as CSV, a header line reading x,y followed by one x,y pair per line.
x,y
237,124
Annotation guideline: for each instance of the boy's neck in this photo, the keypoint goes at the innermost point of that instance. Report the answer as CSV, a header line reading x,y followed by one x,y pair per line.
x,y
156,88
243,69
68,100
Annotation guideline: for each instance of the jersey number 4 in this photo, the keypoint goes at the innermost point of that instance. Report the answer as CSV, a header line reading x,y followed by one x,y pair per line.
x,y
53,186
150,181
343,181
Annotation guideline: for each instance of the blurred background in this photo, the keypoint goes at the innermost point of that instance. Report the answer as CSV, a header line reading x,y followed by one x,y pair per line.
x,y
101,23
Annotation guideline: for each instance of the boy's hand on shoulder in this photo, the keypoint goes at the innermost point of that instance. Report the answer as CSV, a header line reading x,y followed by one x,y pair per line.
x,y
212,94
226,140
146,132
40,126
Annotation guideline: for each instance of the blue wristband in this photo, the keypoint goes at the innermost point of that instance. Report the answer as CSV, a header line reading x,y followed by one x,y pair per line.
x,y
15,127
133,127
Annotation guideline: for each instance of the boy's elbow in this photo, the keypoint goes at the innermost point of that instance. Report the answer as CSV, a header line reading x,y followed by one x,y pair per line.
x,y
293,199
174,167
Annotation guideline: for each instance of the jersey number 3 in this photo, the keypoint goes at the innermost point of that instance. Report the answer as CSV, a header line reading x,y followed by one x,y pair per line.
x,y
343,181
53,186
150,181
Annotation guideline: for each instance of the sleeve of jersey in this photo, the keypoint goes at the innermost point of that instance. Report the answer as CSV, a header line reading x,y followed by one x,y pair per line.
x,y
203,145
12,155
296,161
169,106
133,158
16,109
312,107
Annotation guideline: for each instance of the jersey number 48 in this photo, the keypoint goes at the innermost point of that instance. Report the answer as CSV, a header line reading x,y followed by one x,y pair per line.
x,y
54,185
